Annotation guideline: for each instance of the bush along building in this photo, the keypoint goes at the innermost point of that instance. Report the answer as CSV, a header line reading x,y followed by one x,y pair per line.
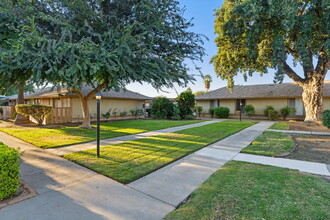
x,y
260,96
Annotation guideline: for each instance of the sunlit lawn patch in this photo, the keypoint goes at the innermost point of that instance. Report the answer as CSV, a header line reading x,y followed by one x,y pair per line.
x,y
47,137
280,126
270,143
133,159
241,190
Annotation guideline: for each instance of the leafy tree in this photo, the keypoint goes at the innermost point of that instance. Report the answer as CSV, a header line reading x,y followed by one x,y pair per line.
x,y
254,35
108,44
199,93
207,82
18,51
162,108
186,102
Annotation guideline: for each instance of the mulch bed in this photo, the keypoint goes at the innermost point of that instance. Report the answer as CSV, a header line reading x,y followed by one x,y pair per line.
x,y
300,126
314,148
24,192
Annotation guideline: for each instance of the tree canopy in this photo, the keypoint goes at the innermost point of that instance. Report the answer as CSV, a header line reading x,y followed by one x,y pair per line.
x,y
117,42
255,35
105,44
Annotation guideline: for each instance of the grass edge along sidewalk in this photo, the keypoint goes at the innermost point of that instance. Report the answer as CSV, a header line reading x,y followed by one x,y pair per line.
x,y
132,160
241,190
60,135
271,143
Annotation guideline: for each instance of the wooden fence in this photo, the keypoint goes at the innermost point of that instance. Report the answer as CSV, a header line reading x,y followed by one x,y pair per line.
x,y
8,111
60,115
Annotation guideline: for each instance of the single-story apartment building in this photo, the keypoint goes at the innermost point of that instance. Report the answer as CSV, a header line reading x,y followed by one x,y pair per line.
x,y
260,96
67,106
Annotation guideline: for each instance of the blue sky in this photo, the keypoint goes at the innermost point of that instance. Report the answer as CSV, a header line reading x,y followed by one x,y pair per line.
x,y
202,13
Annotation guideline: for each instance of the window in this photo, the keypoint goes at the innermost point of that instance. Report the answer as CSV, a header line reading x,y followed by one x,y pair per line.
x,y
292,103
238,102
214,103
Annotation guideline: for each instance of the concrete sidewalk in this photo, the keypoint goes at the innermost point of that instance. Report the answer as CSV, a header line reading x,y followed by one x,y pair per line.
x,y
300,132
60,151
175,182
303,166
69,191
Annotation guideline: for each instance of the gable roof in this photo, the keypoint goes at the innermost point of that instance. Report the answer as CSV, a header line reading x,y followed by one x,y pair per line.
x,y
55,93
284,90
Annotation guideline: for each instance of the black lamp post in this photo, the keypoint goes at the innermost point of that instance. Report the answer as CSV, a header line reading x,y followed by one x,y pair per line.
x,y
240,111
98,99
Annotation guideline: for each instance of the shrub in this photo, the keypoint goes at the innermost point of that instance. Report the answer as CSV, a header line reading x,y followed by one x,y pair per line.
x,y
9,171
267,109
115,112
38,112
136,112
326,118
211,112
123,114
162,108
189,117
176,113
221,112
249,110
285,111
148,111
198,110
186,101
107,114
273,115
14,114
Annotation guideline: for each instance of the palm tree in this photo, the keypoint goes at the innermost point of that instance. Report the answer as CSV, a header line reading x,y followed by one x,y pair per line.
x,y
207,81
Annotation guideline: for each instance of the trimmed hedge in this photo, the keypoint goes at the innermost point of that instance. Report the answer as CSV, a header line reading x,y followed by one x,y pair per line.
x,y
273,115
267,109
9,171
221,112
326,118
38,112
285,111
249,110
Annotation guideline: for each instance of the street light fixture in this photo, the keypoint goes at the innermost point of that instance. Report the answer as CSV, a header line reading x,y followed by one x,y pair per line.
x,y
240,111
98,99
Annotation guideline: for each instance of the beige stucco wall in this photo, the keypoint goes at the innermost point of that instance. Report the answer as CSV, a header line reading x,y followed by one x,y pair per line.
x,y
205,105
230,103
106,104
260,104
223,103
326,103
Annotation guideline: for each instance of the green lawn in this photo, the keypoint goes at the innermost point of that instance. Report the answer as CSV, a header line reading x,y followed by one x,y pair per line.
x,y
131,160
280,126
54,136
241,190
270,143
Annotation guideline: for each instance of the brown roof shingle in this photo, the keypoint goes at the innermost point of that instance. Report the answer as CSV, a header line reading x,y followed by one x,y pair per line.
x,y
284,90
54,93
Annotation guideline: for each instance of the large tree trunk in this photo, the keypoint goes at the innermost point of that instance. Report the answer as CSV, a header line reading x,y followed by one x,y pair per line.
x,y
86,116
84,104
312,85
20,119
313,99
